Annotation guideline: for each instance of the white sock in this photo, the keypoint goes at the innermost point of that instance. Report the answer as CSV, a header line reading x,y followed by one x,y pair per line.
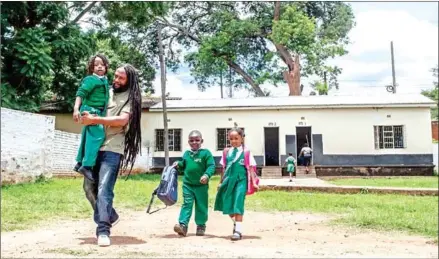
x,y
238,227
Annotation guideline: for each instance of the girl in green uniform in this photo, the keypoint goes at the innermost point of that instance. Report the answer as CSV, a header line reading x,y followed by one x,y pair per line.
x,y
91,97
234,182
290,162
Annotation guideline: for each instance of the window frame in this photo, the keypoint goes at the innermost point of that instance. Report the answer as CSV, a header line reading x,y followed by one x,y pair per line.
x,y
171,144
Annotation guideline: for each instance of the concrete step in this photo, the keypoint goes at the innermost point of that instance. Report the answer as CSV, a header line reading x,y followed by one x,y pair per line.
x,y
271,172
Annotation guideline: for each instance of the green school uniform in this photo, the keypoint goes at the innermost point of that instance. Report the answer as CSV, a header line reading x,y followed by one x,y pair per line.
x,y
194,165
290,164
94,94
231,194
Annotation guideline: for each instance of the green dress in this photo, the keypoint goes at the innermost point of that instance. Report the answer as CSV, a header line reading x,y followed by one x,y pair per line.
x,y
290,164
94,94
231,194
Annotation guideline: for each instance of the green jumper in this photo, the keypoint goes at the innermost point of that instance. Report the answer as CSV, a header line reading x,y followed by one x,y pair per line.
x,y
290,164
194,165
94,93
231,194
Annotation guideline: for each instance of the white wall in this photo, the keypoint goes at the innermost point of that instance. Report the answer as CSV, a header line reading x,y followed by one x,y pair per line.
x,y
345,131
26,145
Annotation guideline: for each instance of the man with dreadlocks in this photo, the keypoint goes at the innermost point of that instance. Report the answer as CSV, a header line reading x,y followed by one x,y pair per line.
x,y
121,147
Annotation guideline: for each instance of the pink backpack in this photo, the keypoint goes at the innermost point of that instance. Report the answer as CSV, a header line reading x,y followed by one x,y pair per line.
x,y
250,188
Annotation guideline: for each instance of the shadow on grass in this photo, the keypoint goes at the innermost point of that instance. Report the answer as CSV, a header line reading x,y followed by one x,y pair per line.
x,y
207,236
115,240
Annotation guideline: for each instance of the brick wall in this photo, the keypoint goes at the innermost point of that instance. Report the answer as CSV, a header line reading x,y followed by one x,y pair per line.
x,y
26,145
435,129
65,148
31,147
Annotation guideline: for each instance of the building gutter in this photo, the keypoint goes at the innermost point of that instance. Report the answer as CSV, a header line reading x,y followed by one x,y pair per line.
x,y
295,107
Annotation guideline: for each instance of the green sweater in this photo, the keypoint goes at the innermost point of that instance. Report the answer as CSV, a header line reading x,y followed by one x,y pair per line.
x,y
94,91
195,165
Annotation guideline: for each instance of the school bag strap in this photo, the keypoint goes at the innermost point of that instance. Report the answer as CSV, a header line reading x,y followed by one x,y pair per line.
x,y
251,172
224,158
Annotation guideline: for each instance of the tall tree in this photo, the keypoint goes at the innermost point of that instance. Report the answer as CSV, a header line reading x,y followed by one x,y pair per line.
x,y
260,41
41,51
44,50
433,94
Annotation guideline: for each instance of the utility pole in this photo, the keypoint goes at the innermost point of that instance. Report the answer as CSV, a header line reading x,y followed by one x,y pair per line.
x,y
221,83
230,83
393,68
163,84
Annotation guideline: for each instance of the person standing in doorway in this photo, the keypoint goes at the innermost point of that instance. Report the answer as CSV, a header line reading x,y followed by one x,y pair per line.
x,y
306,153
121,146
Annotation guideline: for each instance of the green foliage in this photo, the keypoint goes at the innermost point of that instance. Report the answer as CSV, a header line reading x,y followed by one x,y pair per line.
x,y
321,88
316,31
433,94
41,51
45,53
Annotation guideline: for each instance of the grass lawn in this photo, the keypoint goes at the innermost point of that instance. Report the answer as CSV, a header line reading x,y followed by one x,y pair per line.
x,y
402,181
24,205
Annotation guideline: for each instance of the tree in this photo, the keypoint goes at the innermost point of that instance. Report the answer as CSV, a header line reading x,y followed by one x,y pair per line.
x,y
41,51
264,45
433,94
45,52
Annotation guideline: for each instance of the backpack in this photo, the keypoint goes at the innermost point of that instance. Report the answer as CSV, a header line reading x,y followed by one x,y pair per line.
x,y
250,188
167,191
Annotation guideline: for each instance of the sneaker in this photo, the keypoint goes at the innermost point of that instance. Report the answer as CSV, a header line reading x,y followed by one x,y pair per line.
x,y
103,240
180,229
291,180
87,173
201,230
236,236
77,166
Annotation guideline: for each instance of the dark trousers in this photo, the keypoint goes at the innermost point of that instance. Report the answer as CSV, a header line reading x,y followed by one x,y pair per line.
x,y
100,194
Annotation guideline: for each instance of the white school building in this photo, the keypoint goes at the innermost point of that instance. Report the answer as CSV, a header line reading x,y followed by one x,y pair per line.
x,y
388,131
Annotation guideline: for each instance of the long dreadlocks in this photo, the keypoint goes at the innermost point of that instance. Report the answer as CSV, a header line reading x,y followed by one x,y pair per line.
x,y
133,138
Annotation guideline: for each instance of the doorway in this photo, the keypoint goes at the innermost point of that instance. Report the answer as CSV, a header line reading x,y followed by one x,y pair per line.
x,y
303,135
271,137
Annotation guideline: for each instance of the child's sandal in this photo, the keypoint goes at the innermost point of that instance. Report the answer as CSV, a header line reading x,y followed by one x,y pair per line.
x,y
236,236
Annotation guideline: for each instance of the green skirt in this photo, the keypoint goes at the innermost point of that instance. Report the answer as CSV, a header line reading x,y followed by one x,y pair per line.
x,y
290,168
231,196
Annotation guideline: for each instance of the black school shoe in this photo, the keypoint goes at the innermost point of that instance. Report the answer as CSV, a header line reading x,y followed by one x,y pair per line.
x,y
87,173
180,229
201,230
77,166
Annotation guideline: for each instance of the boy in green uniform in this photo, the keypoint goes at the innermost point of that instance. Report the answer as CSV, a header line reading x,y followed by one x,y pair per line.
x,y
198,166
92,97
290,162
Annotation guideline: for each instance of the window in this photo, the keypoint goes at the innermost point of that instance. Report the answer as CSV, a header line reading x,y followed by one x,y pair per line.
x,y
222,138
388,137
174,139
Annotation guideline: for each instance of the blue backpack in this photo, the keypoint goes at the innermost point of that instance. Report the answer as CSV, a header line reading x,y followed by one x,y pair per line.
x,y
167,191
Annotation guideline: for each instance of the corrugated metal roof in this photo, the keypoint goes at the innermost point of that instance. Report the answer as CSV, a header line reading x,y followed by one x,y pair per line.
x,y
292,102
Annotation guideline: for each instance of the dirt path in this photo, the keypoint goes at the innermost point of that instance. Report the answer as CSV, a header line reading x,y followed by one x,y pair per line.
x,y
269,235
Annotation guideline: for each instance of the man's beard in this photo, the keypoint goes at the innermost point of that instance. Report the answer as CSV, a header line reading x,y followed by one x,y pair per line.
x,y
120,89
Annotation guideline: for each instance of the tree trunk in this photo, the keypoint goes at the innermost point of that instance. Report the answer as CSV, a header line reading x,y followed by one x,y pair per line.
x,y
229,62
292,75
83,12
163,84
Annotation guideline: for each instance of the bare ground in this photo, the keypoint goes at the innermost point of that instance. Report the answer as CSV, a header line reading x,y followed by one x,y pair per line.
x,y
266,235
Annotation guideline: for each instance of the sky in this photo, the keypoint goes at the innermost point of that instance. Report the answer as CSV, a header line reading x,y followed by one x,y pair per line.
x,y
366,69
